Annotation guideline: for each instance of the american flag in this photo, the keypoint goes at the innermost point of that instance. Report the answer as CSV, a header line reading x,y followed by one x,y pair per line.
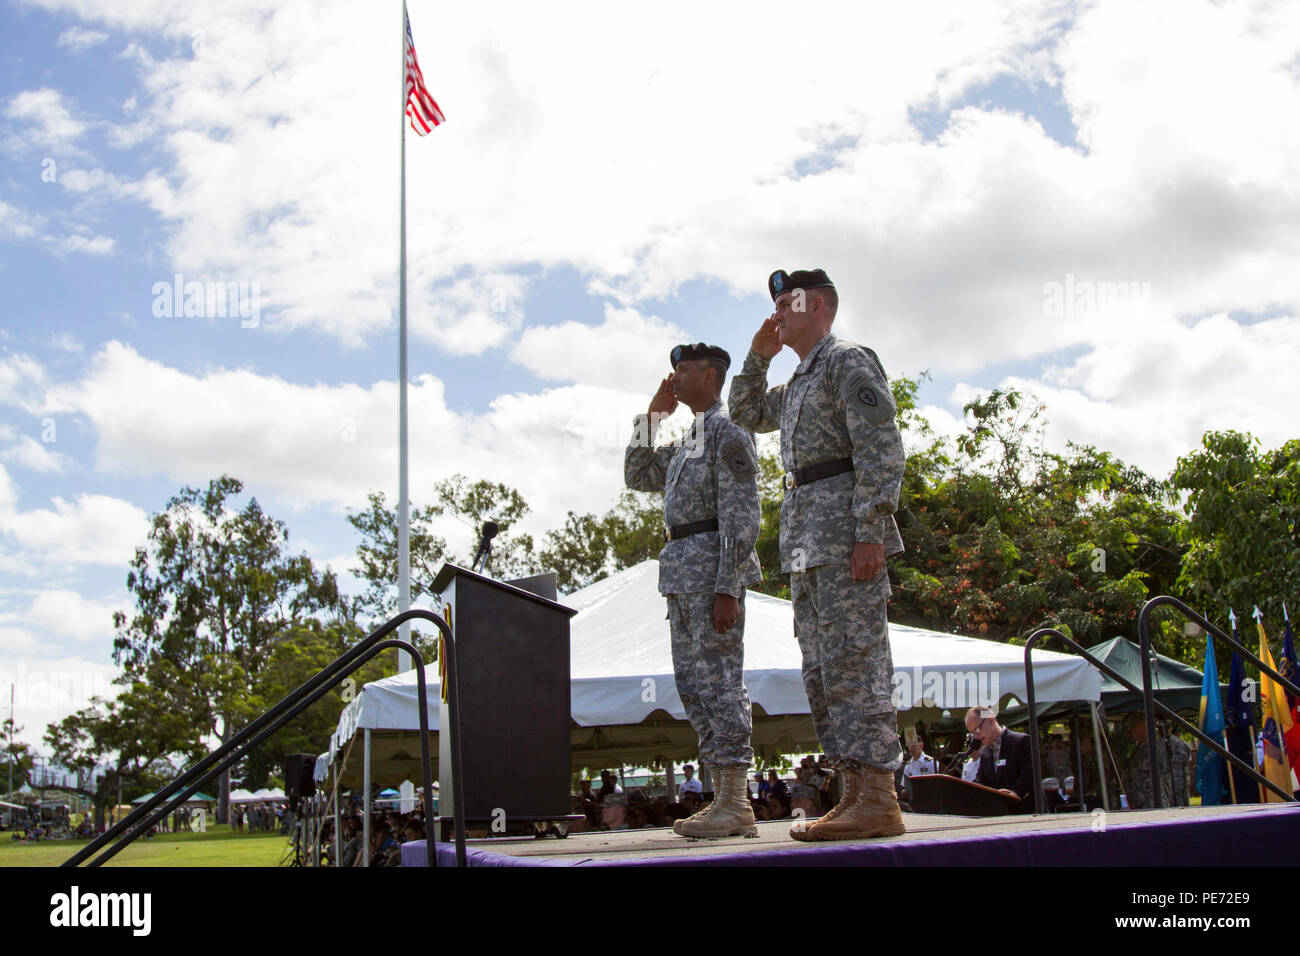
x,y
420,106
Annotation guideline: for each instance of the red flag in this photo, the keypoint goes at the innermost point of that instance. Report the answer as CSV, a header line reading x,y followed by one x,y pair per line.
x,y
420,106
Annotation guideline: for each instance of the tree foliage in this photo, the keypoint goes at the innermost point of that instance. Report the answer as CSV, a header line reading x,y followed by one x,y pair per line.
x,y
457,499
1004,536
213,588
1243,530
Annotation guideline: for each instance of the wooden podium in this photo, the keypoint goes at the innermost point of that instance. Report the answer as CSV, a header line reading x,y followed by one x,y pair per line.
x,y
940,793
512,657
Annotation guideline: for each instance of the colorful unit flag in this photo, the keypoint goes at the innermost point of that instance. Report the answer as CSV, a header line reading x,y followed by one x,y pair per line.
x,y
1288,667
1209,765
420,106
1281,733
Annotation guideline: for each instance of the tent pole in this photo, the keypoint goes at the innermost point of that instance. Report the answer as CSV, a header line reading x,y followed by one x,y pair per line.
x,y
365,783
1096,749
1078,761
338,821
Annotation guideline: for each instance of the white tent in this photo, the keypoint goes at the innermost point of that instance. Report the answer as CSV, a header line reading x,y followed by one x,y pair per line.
x,y
624,702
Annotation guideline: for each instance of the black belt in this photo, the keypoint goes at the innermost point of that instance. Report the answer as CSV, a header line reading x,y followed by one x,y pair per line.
x,y
673,532
825,469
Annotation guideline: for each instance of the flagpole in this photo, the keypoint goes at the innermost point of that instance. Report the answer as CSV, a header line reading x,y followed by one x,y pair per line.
x,y
403,506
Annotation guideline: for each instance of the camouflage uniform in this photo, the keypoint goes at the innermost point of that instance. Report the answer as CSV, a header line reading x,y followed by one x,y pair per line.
x,y
1179,754
837,405
1138,777
710,473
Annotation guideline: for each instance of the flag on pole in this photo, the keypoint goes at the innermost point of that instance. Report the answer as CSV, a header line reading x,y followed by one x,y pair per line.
x,y
1209,765
1288,666
1281,734
1240,721
420,106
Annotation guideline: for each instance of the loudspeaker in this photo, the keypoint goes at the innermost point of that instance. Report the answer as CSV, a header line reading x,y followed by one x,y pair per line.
x,y
299,776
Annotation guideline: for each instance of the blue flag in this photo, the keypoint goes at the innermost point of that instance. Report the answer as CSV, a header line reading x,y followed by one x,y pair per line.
x,y
1209,765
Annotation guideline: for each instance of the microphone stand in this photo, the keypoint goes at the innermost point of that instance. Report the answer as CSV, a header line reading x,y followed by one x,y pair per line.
x,y
972,747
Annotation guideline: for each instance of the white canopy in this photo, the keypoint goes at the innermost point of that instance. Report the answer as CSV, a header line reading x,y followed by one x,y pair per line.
x,y
621,666
620,640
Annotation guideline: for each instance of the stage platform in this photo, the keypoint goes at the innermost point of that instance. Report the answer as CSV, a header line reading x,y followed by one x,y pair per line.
x,y
1258,835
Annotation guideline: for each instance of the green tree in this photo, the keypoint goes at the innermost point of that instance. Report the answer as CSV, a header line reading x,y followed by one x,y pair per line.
x,y
456,498
213,587
296,656
1004,537
1243,529
18,760
588,547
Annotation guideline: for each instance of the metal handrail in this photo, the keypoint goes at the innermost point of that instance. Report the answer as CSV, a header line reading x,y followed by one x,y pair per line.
x,y
142,818
1149,702
1144,637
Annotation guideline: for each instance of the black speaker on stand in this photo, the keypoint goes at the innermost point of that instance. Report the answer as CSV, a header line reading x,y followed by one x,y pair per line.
x,y
299,778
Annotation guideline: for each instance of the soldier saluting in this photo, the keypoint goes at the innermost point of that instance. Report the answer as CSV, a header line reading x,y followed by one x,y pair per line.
x,y
844,463
711,522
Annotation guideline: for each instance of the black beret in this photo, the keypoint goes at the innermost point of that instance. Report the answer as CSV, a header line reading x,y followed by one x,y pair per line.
x,y
782,281
698,352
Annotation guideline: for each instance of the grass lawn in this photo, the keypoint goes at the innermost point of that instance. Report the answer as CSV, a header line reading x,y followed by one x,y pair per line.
x,y
217,847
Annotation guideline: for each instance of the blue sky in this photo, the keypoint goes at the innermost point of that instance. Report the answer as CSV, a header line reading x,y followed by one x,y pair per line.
x,y
608,183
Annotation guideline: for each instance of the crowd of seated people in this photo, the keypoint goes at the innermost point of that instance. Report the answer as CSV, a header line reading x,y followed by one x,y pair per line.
x,y
610,808
388,831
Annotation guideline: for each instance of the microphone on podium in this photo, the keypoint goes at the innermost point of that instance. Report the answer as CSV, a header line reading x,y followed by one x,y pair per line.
x,y
490,529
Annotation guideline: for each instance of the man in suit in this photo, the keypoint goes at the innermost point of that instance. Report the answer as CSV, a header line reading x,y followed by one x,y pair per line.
x,y
1005,762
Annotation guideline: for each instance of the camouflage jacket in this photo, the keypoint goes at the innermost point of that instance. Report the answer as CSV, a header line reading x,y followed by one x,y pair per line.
x,y
836,405
1138,777
711,473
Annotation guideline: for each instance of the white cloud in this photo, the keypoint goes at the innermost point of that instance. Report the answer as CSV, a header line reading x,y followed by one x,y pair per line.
x,y
331,444
1149,396
57,615
78,39
624,351
46,122
89,530
470,315
645,185
683,161
22,382
15,223
34,456
95,246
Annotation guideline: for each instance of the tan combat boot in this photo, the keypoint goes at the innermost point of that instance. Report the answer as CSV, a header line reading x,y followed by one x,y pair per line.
x,y
874,813
849,791
734,815
706,811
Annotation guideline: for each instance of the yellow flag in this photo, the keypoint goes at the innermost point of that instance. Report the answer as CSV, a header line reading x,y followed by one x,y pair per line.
x,y
1277,722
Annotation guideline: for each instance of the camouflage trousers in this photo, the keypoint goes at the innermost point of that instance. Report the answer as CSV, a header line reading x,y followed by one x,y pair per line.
x,y
848,672
709,669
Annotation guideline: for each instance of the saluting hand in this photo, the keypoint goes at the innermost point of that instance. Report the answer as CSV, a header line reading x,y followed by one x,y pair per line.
x,y
664,401
767,340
